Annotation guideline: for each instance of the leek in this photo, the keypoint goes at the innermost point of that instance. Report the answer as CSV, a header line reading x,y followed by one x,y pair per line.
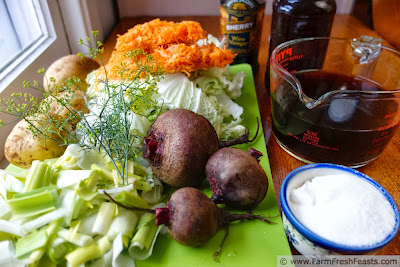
x,y
69,160
104,218
92,156
83,254
5,210
124,223
119,258
131,199
9,184
133,167
58,249
42,220
77,239
86,224
6,256
33,203
41,174
30,243
103,172
45,261
10,228
75,158
138,182
117,190
87,189
50,231
67,178
67,163
155,194
143,241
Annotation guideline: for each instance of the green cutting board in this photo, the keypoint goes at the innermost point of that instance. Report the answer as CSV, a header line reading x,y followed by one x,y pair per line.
x,y
249,243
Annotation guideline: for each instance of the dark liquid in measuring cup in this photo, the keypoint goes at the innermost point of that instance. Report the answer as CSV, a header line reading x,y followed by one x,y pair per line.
x,y
349,129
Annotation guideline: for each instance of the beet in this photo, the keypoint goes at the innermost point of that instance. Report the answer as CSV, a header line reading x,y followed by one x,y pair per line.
x,y
178,145
191,218
236,178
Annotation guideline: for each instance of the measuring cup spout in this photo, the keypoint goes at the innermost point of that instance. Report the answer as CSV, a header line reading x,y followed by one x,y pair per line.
x,y
308,102
311,103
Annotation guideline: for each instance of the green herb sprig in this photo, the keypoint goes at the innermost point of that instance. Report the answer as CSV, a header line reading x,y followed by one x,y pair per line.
x,y
105,123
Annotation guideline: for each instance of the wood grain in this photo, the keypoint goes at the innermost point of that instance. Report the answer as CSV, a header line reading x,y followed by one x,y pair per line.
x,y
385,170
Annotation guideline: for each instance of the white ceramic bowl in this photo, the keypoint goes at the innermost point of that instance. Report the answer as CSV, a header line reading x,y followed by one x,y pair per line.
x,y
303,239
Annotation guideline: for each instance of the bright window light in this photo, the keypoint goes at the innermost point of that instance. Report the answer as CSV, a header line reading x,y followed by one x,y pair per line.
x,y
20,29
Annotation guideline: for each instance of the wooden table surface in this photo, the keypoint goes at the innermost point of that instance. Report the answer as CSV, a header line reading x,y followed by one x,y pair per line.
x,y
385,170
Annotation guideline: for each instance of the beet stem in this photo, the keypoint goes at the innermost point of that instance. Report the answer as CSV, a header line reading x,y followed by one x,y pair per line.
x,y
219,250
163,216
129,208
244,138
230,217
255,154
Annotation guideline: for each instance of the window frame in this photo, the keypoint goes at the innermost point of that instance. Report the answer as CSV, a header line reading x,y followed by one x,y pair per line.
x,y
53,34
53,45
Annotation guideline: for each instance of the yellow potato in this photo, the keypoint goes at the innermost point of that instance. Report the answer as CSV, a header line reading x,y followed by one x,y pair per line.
x,y
21,148
66,68
77,102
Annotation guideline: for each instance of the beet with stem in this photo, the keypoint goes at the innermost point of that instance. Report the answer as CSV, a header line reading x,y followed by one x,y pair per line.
x,y
236,178
191,218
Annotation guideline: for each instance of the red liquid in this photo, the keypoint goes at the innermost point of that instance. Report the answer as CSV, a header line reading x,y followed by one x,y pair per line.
x,y
300,19
350,129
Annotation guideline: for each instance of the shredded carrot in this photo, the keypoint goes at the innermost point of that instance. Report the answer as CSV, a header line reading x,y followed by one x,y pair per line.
x,y
173,45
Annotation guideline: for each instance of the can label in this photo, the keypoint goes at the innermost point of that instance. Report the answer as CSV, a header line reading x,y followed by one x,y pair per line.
x,y
240,24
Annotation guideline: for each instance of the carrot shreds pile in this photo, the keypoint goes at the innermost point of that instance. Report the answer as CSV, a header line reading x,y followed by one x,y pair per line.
x,y
173,45
156,33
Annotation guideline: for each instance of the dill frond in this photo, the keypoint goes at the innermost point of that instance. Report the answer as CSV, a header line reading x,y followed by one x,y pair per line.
x,y
102,123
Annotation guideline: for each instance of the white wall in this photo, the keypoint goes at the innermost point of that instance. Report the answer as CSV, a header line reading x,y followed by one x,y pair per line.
x,y
132,8
81,17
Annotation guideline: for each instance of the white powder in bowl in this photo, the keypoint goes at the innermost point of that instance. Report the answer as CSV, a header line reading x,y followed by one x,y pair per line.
x,y
343,209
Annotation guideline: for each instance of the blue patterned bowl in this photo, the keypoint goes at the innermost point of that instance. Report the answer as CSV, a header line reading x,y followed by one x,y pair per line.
x,y
303,239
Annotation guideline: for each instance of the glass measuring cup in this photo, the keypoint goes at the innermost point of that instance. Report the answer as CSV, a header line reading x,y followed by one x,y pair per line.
x,y
335,100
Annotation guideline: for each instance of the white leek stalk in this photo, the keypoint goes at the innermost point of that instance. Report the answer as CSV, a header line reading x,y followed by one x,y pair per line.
x,y
5,210
104,218
11,228
86,223
117,190
77,239
7,257
124,223
68,178
155,194
42,220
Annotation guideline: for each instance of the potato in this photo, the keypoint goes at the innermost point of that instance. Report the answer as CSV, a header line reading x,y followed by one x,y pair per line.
x,y
21,148
66,68
76,100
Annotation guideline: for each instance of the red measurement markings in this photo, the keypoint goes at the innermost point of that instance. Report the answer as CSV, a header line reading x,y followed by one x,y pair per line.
x,y
312,138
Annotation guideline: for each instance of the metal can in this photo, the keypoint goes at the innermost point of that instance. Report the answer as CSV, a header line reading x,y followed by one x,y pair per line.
x,y
241,24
